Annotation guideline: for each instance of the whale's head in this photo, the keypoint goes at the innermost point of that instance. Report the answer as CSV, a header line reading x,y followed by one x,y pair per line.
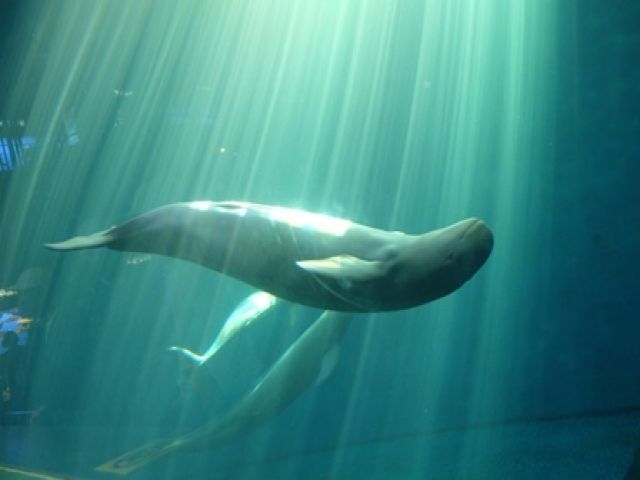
x,y
440,261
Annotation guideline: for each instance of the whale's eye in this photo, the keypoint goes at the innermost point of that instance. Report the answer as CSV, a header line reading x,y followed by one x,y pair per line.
x,y
389,253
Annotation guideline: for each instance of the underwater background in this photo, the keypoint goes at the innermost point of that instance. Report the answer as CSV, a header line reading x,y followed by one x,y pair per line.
x,y
404,115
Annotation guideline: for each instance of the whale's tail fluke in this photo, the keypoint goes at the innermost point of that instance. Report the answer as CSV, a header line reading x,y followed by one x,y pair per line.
x,y
247,312
189,356
95,240
130,461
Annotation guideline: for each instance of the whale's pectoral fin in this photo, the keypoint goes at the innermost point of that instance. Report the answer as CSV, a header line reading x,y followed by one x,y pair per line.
x,y
94,240
329,363
345,268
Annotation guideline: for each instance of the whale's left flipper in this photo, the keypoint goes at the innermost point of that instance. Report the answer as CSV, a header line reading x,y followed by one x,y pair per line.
x,y
345,267
95,240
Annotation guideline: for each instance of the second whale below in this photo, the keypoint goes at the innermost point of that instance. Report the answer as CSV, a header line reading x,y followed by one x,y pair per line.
x,y
307,258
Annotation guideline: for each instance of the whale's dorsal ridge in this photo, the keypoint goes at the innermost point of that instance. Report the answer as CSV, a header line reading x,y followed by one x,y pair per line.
x,y
345,268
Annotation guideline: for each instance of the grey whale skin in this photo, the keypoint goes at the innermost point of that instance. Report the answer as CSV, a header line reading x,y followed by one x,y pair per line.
x,y
307,258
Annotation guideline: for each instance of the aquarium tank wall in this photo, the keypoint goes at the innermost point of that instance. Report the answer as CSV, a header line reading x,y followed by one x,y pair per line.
x,y
150,352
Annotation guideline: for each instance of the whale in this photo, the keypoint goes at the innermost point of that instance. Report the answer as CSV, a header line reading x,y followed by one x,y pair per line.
x,y
294,372
247,312
304,257
195,379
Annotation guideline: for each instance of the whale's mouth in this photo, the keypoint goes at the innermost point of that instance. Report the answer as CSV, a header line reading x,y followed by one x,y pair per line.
x,y
480,234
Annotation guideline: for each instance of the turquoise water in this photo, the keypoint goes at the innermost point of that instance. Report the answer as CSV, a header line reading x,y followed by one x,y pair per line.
x,y
403,115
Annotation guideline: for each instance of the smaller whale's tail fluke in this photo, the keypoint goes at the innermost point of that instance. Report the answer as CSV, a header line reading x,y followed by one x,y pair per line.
x,y
193,371
191,357
249,310
95,240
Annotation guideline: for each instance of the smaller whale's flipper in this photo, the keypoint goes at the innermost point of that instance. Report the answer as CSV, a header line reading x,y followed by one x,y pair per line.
x,y
329,364
94,240
345,268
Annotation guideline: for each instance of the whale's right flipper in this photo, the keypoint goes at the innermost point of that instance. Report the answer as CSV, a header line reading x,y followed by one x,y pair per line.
x,y
95,240
329,364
